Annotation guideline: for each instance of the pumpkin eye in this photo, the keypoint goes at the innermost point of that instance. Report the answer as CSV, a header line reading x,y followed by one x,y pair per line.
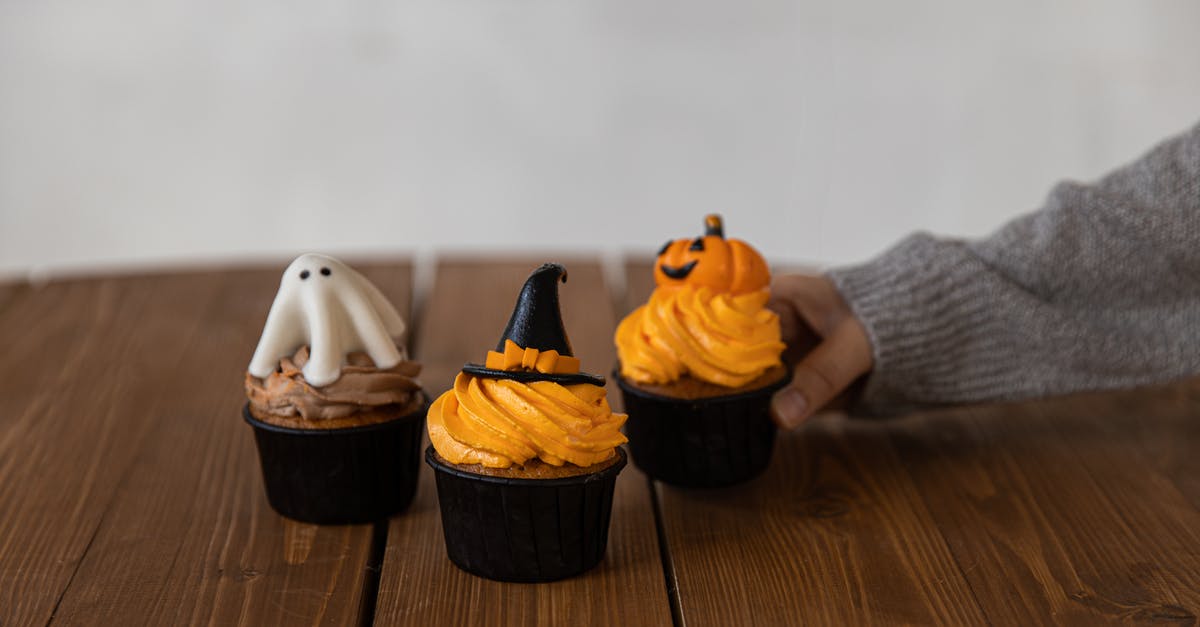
x,y
697,244
663,250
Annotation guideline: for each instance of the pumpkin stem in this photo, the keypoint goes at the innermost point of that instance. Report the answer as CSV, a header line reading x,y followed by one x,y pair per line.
x,y
713,225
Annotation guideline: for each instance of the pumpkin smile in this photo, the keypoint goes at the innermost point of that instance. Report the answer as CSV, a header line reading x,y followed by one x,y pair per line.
x,y
679,272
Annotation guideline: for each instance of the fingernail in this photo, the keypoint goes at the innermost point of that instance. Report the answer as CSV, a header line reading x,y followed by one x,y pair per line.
x,y
789,407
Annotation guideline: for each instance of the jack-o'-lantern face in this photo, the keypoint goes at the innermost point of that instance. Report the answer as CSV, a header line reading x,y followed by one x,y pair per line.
x,y
723,265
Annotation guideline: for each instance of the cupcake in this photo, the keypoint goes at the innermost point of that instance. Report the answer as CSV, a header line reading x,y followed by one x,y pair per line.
x,y
526,451
334,403
699,362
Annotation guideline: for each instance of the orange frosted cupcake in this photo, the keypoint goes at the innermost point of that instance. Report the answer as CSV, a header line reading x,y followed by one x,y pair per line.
x,y
699,362
526,451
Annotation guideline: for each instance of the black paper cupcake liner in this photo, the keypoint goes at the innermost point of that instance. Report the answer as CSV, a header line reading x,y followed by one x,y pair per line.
x,y
524,530
700,443
340,476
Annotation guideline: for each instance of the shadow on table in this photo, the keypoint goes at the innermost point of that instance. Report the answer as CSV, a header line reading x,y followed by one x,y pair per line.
x,y
837,466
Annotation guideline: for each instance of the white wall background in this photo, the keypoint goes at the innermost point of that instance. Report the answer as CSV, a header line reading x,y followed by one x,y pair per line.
x,y
191,130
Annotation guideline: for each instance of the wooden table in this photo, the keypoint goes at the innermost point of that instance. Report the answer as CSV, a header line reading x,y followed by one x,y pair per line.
x,y
130,491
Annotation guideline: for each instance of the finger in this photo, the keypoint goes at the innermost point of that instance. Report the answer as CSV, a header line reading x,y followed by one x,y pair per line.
x,y
791,299
795,333
810,302
828,370
791,322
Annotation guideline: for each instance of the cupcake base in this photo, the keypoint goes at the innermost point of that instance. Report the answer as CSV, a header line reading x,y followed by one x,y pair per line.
x,y
700,443
524,530
339,476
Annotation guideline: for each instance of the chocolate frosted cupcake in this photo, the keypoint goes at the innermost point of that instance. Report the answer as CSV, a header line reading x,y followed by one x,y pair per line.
x,y
334,403
525,451
699,363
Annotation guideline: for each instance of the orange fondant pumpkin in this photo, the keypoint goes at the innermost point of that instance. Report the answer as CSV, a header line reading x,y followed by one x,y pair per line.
x,y
723,265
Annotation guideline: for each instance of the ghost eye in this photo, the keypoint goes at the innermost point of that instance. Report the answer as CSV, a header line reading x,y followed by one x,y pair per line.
x,y
664,248
325,272
303,274
697,244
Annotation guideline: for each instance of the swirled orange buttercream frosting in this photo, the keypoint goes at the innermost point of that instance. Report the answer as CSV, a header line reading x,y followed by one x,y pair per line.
x,y
720,338
498,422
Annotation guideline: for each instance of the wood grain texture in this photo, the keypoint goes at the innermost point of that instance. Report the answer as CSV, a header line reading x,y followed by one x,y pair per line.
x,y
9,291
1171,438
834,533
1078,510
1058,510
131,492
76,354
464,316
147,506
639,283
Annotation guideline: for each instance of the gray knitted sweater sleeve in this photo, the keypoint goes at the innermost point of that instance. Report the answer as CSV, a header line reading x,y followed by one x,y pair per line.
x,y
1100,288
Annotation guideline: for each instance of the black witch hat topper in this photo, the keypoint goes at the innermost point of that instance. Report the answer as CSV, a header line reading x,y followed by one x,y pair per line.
x,y
534,346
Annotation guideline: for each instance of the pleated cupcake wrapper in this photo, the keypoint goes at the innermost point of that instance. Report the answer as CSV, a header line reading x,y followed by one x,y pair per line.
x,y
700,443
524,530
339,476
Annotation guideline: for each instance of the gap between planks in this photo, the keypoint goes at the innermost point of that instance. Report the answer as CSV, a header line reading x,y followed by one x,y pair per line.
x,y
1161,461
120,558
418,582
985,518
790,547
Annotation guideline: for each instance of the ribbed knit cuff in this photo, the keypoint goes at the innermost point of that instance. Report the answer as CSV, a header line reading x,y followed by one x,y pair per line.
x,y
924,304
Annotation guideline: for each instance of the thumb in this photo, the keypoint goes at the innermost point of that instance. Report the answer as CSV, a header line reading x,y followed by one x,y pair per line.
x,y
843,356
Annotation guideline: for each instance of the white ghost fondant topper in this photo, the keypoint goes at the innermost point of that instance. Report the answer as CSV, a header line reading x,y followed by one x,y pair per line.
x,y
326,304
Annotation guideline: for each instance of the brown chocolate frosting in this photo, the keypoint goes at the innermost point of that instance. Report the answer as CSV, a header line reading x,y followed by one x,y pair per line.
x,y
361,387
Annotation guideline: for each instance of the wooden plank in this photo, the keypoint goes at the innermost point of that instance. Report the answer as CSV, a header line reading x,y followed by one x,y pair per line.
x,y
639,283
469,305
218,554
1056,512
1170,439
10,290
834,533
142,501
67,432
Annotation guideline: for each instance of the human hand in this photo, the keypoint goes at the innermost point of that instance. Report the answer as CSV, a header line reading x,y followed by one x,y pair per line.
x,y
826,341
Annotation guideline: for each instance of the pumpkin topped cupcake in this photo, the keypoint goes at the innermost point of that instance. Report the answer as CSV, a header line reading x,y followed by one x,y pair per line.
x,y
706,320
526,442
702,352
